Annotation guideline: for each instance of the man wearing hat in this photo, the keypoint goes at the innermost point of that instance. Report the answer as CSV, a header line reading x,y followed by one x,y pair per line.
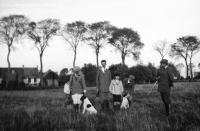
x,y
78,86
165,82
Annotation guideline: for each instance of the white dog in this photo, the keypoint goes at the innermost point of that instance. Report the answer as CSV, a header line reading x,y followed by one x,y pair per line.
x,y
88,108
125,102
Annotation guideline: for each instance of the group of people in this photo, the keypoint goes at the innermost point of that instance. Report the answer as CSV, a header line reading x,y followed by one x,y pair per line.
x,y
113,91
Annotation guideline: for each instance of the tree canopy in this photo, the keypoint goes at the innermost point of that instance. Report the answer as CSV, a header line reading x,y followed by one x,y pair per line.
x,y
127,41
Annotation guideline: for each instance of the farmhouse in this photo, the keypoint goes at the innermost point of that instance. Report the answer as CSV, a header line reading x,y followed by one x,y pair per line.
x,y
31,76
50,78
20,75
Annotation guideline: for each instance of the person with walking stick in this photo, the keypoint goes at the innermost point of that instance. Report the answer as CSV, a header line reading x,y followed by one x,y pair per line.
x,y
165,82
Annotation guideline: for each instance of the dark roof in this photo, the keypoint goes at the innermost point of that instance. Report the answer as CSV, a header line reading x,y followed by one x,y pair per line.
x,y
31,72
50,75
22,71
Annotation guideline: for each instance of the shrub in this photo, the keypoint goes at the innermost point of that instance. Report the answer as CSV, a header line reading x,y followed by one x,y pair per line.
x,y
120,69
142,73
90,72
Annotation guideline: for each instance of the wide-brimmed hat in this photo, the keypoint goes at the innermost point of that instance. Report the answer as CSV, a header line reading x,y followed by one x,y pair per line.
x,y
164,61
76,69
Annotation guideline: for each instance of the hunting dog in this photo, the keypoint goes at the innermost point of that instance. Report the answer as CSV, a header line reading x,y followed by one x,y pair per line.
x,y
125,101
87,106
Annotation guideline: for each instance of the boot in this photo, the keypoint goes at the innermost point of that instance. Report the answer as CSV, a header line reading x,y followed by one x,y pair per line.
x,y
167,109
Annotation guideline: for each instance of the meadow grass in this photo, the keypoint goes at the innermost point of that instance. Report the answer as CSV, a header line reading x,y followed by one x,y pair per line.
x,y
44,110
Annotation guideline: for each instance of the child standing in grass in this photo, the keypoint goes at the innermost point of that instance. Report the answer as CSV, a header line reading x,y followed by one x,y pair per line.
x,y
116,89
78,87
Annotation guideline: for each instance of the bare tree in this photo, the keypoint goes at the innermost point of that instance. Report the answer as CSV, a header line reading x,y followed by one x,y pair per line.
x,y
11,29
127,42
194,47
74,33
41,33
162,48
180,49
97,35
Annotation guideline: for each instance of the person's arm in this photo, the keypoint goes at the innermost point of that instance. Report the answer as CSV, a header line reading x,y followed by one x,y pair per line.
x,y
111,87
83,83
124,81
122,88
171,77
97,81
109,77
70,83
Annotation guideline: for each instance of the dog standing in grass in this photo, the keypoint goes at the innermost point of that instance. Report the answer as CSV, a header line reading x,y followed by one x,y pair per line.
x,y
87,106
125,101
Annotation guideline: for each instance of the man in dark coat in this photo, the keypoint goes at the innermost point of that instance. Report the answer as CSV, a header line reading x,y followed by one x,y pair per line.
x,y
165,82
103,80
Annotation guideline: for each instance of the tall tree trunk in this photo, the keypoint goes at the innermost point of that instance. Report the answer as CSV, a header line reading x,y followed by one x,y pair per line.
x,y
186,68
8,58
41,64
74,62
123,58
162,57
41,70
191,73
97,57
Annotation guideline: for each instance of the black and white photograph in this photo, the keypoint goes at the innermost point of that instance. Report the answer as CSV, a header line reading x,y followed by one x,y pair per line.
x,y
99,65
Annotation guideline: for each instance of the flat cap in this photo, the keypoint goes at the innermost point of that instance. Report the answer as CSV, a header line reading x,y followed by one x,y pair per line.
x,y
76,68
164,61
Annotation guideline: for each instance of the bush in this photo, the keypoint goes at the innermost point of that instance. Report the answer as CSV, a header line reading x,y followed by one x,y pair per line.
x,y
153,70
90,72
120,69
142,73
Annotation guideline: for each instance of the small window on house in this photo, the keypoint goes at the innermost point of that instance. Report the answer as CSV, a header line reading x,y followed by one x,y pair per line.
x,y
35,79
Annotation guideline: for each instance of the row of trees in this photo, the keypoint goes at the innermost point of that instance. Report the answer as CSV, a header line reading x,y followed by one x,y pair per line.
x,y
127,41
14,27
185,47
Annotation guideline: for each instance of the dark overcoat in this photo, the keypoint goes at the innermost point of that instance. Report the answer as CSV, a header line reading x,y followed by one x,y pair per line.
x,y
165,79
103,80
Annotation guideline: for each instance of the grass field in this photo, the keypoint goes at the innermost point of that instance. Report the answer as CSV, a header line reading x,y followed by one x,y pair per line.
x,y
44,110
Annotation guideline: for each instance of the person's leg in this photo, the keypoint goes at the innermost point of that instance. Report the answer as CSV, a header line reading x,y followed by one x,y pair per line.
x,y
102,101
108,101
166,101
114,102
79,101
119,100
75,102
66,99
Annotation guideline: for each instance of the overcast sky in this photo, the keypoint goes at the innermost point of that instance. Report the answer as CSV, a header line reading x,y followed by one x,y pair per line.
x,y
154,20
